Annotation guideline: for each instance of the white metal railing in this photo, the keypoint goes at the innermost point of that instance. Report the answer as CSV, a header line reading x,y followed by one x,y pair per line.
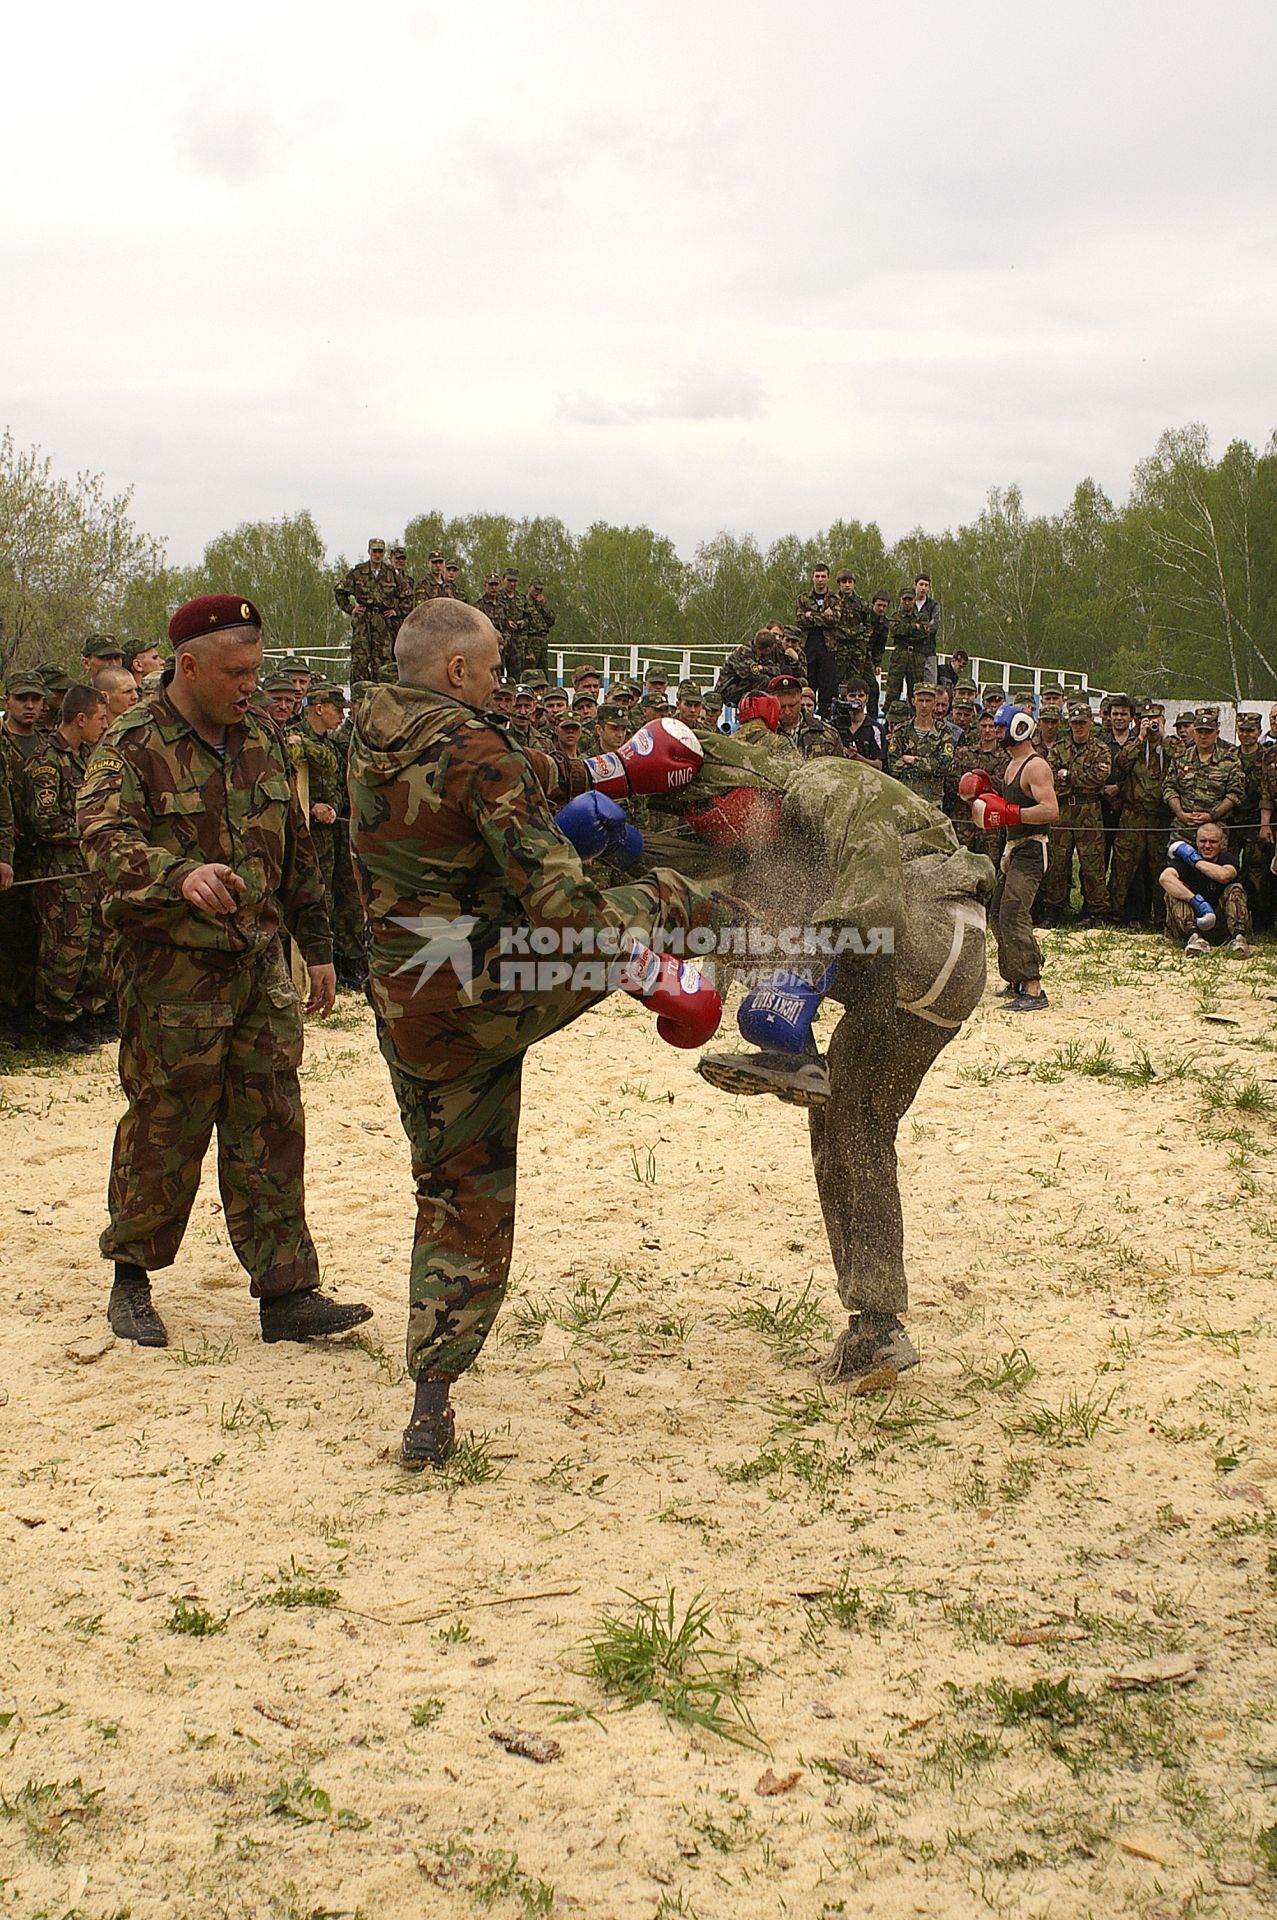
x,y
702,664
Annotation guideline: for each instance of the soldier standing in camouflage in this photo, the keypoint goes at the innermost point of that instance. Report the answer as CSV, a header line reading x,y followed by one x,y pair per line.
x,y
1082,766
1251,852
325,788
19,743
536,634
1141,767
921,752
910,643
190,822
986,755
373,594
72,982
851,635
1205,783
455,843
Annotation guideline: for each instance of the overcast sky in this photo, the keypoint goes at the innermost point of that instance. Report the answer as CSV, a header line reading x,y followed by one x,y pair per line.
x,y
708,264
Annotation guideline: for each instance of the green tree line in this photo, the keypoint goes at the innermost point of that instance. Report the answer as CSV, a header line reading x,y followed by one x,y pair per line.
x,y
1175,589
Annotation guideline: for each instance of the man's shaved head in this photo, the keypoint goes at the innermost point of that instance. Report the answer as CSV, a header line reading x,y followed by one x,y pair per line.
x,y
450,648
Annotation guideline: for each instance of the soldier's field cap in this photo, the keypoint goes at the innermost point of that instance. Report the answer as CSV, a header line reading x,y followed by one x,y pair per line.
x,y
1250,722
584,673
493,580
784,683
400,553
845,573
333,695
567,720
511,573
925,687
1207,718
712,701
537,680
55,678
1152,710
102,646
585,700
280,682
524,692
610,715
435,560
211,613
452,566
688,690
1080,710
534,586
22,680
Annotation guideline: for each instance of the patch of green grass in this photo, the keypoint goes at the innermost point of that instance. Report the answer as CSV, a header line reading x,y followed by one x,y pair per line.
x,y
295,1586
470,1464
46,1808
256,1419
672,1659
526,1321
1058,1701
426,1712
1076,1420
206,1354
1011,1371
589,1309
494,1874
849,1607
190,1618
643,1165
453,1635
789,1326
306,1805
387,1364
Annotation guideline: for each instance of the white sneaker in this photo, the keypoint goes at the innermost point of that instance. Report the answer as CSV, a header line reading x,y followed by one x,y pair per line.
x,y
1195,944
1239,944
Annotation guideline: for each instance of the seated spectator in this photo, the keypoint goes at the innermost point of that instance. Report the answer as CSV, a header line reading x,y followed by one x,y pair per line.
x,y
1206,903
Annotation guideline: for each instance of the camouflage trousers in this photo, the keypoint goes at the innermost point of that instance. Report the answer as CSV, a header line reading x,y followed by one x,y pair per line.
x,y
1079,829
456,1077
1234,918
940,970
372,648
207,1046
72,975
906,667
1138,843
345,911
1020,874
18,949
1255,859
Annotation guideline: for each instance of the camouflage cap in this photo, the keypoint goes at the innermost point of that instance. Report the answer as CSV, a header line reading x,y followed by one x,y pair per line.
x,y
1184,718
136,647
493,580
23,680
537,681
585,700
435,560
399,553
927,688
610,715
333,695
511,573
523,692
452,566
898,710
1207,718
712,701
278,682
993,693
557,693
585,673
568,720
656,677
688,690
56,679
1249,722
1080,710
291,664
535,586
102,646
360,688
1152,710
377,541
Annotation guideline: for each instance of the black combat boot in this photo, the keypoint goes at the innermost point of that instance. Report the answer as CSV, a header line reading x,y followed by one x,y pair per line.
x,y
129,1310
429,1436
304,1316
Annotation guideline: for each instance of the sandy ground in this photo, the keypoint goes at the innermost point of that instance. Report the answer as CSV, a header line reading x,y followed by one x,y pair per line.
x,y
1080,1478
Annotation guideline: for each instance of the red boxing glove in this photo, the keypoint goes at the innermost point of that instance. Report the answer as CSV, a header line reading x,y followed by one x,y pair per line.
x,y
689,1010
973,784
991,811
660,758
742,816
760,706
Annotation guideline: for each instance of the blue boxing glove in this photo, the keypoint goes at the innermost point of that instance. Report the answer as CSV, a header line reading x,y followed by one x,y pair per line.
x,y
779,1014
1180,850
1203,913
594,824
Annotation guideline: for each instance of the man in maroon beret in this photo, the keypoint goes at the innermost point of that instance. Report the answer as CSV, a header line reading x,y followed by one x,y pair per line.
x,y
190,821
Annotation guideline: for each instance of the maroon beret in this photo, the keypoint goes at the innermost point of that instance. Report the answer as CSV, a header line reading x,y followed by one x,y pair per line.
x,y
784,683
209,614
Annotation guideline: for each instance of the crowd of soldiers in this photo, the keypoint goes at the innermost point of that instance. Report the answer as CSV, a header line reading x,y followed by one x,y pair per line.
x,y
847,677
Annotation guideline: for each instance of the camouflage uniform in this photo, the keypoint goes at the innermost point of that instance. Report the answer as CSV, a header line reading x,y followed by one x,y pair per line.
x,y
1081,773
382,594
511,622
19,944
1142,768
347,914
910,638
970,757
72,977
211,1023
854,849
810,740
453,831
1250,852
1203,786
749,667
933,755
851,639
536,635
324,789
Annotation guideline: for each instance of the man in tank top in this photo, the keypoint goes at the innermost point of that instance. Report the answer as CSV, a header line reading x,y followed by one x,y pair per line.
x,y
1027,808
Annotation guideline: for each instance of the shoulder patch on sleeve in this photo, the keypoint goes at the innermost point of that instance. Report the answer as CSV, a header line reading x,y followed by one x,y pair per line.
x,y
107,761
